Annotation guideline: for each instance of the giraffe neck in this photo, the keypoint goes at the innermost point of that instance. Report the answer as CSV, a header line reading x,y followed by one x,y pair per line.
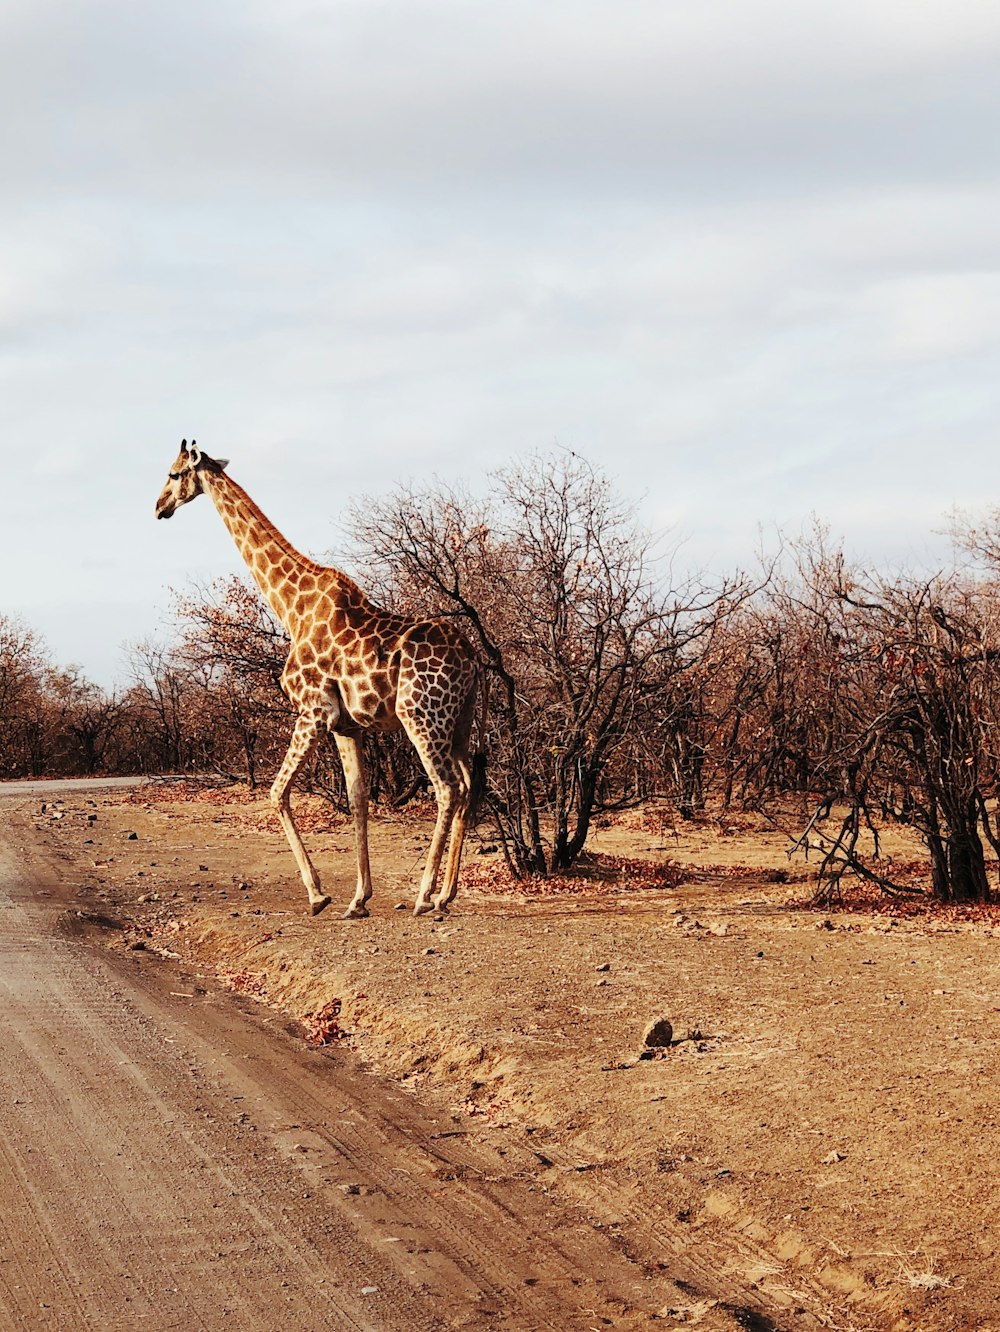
x,y
276,565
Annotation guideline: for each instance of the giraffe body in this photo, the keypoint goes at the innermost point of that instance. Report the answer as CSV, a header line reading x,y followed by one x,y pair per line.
x,y
352,667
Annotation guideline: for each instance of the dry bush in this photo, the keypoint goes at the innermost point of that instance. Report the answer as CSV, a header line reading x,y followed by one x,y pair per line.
x,y
556,587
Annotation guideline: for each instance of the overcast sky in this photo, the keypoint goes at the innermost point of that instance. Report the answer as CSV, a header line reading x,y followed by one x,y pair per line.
x,y
743,254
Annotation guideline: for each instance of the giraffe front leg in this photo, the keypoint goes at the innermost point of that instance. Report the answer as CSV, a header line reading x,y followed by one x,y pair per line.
x,y
304,737
353,761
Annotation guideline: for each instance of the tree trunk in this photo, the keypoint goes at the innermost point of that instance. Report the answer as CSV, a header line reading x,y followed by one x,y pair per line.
x,y
967,881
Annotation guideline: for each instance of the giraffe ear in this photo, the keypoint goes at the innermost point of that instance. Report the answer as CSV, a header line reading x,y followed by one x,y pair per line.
x,y
184,446
195,453
222,463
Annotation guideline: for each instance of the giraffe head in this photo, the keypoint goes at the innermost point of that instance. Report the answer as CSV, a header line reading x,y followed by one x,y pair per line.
x,y
185,478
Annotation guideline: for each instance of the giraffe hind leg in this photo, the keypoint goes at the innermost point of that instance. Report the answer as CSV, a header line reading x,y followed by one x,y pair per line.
x,y
455,842
461,765
447,794
442,743
451,786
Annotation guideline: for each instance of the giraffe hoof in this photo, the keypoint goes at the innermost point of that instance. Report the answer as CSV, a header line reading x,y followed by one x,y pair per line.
x,y
356,913
424,908
318,905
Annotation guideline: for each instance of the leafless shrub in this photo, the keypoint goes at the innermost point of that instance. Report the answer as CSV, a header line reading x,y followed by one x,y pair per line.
x,y
555,585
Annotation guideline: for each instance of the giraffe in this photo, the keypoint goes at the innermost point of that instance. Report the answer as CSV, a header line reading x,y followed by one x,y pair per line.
x,y
353,667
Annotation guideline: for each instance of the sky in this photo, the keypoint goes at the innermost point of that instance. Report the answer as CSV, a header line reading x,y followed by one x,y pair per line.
x,y
743,255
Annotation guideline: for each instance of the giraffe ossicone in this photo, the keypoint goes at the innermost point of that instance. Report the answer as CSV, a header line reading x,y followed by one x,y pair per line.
x,y
352,668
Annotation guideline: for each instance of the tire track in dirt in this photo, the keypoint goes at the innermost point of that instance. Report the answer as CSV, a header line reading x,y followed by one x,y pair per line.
x,y
506,1259
171,1161
120,1213
190,1165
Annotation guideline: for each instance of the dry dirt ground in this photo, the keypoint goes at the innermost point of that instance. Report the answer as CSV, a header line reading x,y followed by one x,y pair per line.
x,y
819,1145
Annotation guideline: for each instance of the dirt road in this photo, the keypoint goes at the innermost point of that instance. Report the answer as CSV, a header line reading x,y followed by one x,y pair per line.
x,y
817,1148
169,1159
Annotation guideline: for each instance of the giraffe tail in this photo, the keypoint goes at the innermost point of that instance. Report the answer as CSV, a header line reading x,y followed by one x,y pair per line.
x,y
477,788
477,784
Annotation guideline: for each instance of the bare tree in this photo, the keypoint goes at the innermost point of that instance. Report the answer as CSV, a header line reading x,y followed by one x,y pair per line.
x,y
160,695
917,713
234,649
24,665
556,586
84,721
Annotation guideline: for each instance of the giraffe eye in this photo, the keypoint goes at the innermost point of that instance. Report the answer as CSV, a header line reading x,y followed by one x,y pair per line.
x,y
175,476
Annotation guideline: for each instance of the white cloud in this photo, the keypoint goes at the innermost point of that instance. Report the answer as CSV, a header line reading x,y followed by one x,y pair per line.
x,y
744,253
936,317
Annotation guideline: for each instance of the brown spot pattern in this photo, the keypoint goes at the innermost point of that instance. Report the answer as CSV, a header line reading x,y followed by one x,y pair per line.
x,y
353,667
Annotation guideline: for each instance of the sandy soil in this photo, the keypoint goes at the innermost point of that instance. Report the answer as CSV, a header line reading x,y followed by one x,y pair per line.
x,y
819,1143
171,1157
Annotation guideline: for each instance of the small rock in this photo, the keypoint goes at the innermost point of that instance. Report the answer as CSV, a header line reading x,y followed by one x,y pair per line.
x,y
658,1034
430,952
605,966
132,837
352,1189
401,906
834,1158
369,1290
